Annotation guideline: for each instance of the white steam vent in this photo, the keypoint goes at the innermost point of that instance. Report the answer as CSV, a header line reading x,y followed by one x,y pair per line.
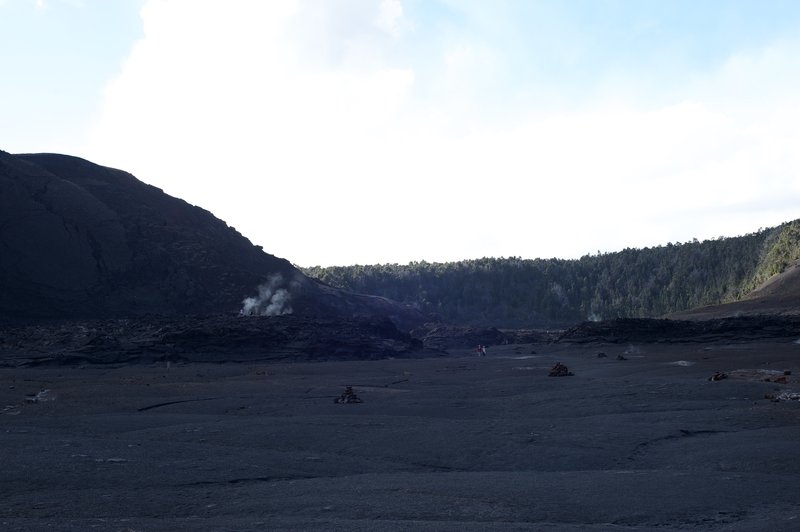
x,y
273,299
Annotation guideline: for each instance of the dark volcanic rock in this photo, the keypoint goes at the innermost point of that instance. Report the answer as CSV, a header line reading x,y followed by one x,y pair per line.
x,y
83,240
745,328
205,339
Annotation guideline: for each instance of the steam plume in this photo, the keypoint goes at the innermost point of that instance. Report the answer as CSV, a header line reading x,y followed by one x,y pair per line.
x,y
273,299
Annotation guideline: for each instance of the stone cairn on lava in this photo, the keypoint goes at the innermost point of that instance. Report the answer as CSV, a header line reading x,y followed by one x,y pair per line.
x,y
347,397
560,370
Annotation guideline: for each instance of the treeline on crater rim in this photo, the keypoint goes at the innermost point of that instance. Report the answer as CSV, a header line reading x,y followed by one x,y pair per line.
x,y
515,292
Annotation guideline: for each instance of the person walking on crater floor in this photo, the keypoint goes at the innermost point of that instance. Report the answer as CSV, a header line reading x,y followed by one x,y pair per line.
x,y
481,349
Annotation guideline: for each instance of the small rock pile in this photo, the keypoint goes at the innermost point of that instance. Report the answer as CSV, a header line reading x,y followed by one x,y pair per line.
x,y
560,370
718,376
348,396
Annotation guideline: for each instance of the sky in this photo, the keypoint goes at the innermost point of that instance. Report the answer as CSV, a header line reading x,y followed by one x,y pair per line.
x,y
338,132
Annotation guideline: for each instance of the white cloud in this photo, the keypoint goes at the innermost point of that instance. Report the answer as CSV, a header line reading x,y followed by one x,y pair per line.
x,y
390,17
300,125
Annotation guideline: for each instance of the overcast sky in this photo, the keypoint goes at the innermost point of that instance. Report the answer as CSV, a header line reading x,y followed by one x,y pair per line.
x,y
338,132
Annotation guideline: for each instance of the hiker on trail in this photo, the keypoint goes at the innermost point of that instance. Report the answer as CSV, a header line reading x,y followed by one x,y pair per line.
x,y
481,349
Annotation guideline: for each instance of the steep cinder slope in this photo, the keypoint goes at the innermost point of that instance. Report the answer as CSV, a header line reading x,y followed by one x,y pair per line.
x,y
783,289
82,240
778,296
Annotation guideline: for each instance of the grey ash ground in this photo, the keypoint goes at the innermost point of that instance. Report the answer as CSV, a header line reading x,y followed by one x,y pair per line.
x,y
451,442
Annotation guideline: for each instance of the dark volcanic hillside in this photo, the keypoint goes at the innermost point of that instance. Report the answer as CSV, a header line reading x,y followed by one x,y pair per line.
x,y
82,240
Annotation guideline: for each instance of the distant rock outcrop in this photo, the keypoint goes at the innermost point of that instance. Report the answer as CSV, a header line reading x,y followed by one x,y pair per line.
x,y
83,240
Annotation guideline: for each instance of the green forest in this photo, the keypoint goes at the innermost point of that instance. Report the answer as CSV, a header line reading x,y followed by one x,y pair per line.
x,y
636,283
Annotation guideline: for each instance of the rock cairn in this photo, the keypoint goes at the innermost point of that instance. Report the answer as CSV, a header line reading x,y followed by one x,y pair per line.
x,y
347,397
560,370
